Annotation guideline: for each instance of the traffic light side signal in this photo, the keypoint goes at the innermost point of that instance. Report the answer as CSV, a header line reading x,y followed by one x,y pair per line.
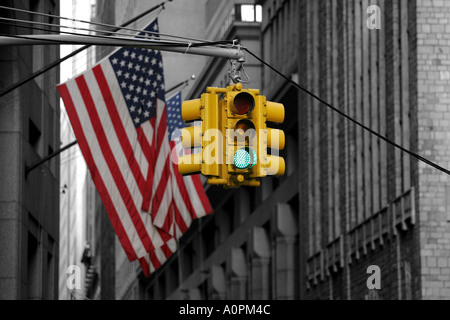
x,y
269,138
204,136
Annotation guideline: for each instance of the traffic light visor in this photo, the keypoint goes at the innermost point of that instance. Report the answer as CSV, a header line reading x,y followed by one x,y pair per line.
x,y
277,166
191,137
191,110
275,112
243,103
190,164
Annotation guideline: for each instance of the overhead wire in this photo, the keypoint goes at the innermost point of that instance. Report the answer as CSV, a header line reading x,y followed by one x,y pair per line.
x,y
155,41
74,53
199,43
73,155
69,159
122,27
343,114
92,34
106,25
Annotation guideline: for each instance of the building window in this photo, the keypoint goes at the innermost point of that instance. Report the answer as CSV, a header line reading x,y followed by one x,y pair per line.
x,y
33,276
34,137
248,13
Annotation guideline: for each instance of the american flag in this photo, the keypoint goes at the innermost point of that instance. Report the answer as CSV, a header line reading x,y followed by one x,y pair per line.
x,y
189,199
118,114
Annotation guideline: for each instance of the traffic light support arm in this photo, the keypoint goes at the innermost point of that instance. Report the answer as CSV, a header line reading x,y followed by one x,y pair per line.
x,y
228,53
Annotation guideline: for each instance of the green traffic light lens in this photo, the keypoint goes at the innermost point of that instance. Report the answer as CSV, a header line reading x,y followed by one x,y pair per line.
x,y
245,158
242,159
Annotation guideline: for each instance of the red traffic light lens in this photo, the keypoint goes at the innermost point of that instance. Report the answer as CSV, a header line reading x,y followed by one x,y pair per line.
x,y
243,103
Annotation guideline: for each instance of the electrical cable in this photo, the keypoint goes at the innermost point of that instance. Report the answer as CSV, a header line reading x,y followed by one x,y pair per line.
x,y
378,135
72,152
145,42
123,26
73,28
74,53
103,24
159,42
68,160
214,43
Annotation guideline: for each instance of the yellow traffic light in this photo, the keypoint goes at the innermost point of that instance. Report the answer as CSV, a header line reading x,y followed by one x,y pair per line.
x,y
233,136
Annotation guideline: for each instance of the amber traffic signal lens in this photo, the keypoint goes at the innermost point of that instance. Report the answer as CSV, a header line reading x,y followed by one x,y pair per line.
x,y
246,125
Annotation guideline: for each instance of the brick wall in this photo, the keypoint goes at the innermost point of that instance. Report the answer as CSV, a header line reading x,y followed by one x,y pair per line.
x,y
360,201
360,196
433,75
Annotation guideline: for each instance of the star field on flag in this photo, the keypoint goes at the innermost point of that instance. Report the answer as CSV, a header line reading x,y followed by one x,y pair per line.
x,y
174,121
140,75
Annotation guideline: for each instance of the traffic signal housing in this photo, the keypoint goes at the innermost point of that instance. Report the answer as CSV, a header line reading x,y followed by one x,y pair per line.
x,y
241,150
233,136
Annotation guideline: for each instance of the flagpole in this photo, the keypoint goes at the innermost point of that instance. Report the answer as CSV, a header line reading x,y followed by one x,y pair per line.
x,y
49,157
186,82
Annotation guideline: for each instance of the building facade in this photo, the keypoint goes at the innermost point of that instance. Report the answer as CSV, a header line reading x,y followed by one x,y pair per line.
x,y
29,131
364,203
351,207
361,209
73,169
